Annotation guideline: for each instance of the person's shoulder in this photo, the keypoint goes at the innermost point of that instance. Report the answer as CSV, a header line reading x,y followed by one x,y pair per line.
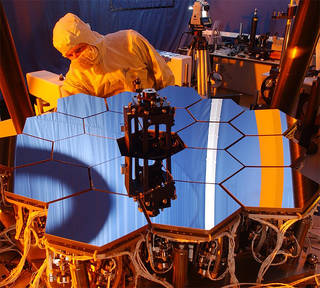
x,y
132,32
76,73
125,33
122,37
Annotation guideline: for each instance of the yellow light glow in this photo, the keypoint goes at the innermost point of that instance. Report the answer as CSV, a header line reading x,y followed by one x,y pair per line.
x,y
294,52
271,154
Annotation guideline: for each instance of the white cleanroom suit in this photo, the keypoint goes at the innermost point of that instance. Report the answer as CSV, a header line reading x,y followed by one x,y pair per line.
x,y
111,63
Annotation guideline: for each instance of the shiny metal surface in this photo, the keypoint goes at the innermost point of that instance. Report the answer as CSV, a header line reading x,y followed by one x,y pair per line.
x,y
302,42
70,162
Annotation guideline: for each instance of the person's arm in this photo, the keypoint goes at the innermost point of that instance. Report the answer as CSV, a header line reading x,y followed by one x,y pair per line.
x,y
76,82
161,71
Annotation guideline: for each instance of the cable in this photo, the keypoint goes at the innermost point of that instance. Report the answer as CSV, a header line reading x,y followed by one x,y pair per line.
x,y
7,248
305,279
141,270
49,266
35,235
209,274
231,255
280,236
5,234
149,247
19,223
109,276
15,273
73,269
135,258
275,285
257,285
73,257
36,280
280,252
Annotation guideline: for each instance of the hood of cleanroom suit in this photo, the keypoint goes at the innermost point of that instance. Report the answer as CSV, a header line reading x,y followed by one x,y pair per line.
x,y
123,57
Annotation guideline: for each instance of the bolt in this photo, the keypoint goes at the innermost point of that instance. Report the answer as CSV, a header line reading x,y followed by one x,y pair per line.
x,y
312,259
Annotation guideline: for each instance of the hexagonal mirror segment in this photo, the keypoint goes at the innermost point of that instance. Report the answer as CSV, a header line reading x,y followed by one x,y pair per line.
x,y
53,126
215,110
107,176
50,181
209,135
182,119
195,170
116,103
107,124
262,151
96,218
262,122
269,187
81,105
31,149
85,150
180,97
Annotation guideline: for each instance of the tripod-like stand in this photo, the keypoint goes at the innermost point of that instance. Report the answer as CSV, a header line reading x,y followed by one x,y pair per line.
x,y
199,52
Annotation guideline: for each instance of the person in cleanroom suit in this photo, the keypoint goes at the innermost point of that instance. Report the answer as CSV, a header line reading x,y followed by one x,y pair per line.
x,y
107,65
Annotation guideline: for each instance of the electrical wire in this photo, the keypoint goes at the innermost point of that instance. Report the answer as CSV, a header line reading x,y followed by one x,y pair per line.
x,y
218,278
231,255
143,271
49,265
15,273
306,279
36,280
35,235
149,248
280,252
73,269
259,285
8,239
280,236
19,222
135,257
6,230
6,249
72,257
140,268
4,233
276,285
109,276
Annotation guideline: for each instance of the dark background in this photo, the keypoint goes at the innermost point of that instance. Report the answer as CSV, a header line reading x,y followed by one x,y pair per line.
x,y
160,21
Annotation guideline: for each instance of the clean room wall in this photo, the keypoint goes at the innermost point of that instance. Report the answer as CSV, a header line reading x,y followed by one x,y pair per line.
x,y
32,21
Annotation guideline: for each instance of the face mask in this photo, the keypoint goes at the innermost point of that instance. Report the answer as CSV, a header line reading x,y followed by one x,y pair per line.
x,y
88,58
